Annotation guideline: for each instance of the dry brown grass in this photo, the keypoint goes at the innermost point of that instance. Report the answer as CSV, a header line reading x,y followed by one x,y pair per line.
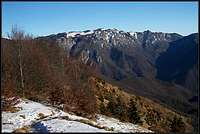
x,y
41,116
12,109
24,129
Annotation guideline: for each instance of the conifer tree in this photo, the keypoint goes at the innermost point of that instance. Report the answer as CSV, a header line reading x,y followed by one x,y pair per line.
x,y
133,113
177,125
111,105
120,108
102,108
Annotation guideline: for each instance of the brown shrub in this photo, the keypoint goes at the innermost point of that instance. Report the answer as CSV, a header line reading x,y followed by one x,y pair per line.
x,y
25,129
47,75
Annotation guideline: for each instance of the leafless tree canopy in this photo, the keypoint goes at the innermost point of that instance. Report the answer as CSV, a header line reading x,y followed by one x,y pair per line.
x,y
40,70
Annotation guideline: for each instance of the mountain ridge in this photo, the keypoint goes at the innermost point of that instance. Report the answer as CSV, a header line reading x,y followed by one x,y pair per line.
x,y
126,57
124,60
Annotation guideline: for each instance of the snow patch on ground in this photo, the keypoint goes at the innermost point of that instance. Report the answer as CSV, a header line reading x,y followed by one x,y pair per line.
x,y
30,112
120,126
43,118
59,125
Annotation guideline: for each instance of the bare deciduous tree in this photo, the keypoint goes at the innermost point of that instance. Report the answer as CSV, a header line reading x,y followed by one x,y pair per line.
x,y
18,36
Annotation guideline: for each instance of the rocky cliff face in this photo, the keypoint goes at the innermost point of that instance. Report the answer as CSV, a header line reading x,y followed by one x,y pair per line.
x,y
140,61
118,53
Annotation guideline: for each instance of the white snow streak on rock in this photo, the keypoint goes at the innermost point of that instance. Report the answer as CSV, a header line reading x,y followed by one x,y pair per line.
x,y
73,34
133,34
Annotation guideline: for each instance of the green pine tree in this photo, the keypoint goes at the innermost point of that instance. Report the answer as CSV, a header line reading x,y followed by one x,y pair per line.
x,y
120,109
111,105
133,113
177,125
102,108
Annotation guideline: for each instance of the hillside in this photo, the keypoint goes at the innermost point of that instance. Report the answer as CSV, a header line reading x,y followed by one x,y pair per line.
x,y
156,117
136,61
108,72
179,62
33,117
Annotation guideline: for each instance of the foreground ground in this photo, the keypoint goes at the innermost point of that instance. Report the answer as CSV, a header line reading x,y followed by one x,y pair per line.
x,y
35,117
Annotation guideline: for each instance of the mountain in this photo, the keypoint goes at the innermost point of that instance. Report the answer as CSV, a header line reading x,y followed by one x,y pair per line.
x,y
179,62
105,71
135,61
118,53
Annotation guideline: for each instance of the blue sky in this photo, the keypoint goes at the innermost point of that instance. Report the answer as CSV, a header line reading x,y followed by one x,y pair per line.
x,y
44,18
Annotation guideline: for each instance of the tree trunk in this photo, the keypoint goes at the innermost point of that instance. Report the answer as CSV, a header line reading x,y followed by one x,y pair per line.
x,y
63,66
21,69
